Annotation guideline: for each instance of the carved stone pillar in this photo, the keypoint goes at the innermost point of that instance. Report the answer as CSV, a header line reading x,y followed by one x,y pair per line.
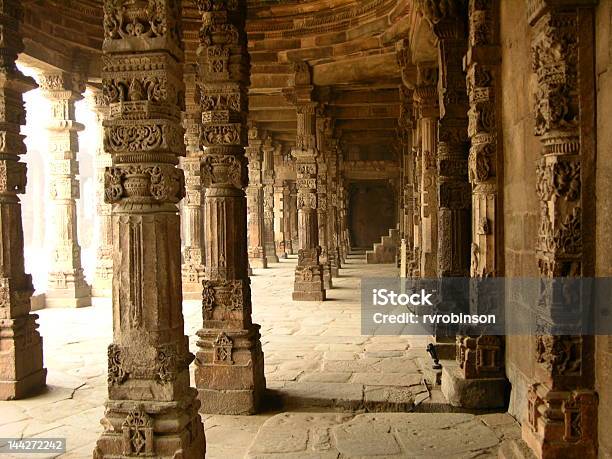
x,y
333,251
322,215
308,284
151,410
448,19
279,220
192,215
286,221
67,286
426,98
256,249
414,266
322,124
562,405
230,363
407,186
293,218
268,200
21,354
103,277
481,358
343,221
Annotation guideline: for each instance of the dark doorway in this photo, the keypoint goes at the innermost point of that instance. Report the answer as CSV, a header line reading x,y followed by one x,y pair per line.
x,y
371,211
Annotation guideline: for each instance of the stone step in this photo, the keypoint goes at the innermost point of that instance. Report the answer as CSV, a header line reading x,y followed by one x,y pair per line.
x,y
349,396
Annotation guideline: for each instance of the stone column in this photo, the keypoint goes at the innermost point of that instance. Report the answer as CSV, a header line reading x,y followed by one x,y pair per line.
x,y
414,265
308,284
480,358
323,124
333,235
192,210
286,222
21,353
279,220
256,249
230,363
268,200
293,217
562,405
426,98
448,20
342,221
103,277
407,187
66,286
151,410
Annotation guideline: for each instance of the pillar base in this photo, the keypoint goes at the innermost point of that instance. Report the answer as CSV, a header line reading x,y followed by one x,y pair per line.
x,y
21,358
152,428
230,402
61,299
259,262
561,423
28,385
327,276
308,285
229,372
480,393
273,258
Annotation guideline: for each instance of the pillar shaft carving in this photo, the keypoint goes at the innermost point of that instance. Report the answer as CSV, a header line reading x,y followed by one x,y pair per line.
x,y
287,217
280,240
268,200
21,360
103,277
485,155
404,130
447,18
230,364
332,208
293,217
308,283
67,286
151,410
562,406
192,216
256,249
322,126
426,99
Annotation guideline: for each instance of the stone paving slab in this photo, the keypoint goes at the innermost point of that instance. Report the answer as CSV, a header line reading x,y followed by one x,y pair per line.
x,y
378,435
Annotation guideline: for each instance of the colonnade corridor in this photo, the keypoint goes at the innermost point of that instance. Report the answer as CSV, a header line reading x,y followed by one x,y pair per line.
x,y
331,392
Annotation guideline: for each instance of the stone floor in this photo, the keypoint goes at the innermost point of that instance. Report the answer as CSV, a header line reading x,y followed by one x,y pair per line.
x,y
328,385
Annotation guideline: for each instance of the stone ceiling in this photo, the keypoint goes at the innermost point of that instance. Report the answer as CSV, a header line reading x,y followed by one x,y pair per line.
x,y
349,44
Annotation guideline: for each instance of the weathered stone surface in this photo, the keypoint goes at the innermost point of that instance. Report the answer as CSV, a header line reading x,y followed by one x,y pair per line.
x,y
365,436
474,393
